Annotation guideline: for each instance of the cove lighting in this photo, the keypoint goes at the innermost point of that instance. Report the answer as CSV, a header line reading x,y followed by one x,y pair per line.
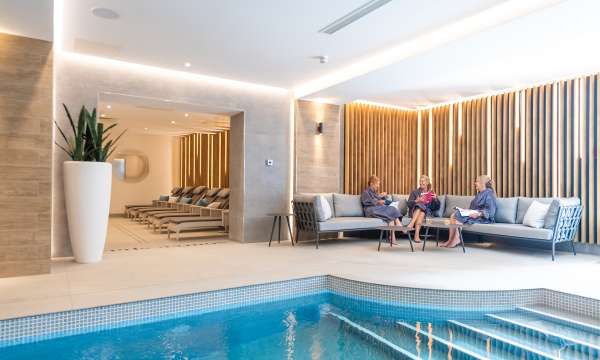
x,y
475,23
366,102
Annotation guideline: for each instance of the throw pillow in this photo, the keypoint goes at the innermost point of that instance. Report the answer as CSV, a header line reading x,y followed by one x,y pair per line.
x,y
535,215
214,205
173,199
163,198
202,202
323,208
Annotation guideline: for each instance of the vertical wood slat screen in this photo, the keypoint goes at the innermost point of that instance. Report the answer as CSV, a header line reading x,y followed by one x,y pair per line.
x,y
542,142
380,141
204,159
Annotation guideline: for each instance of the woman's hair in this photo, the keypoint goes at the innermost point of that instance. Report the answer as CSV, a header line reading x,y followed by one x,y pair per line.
x,y
428,181
372,179
485,179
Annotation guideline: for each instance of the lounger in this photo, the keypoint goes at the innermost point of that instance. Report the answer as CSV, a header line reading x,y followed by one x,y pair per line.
x,y
163,205
210,222
174,192
181,207
220,201
205,197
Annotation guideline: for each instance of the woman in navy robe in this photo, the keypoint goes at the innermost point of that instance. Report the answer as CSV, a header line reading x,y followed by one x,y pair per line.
x,y
421,203
484,205
373,203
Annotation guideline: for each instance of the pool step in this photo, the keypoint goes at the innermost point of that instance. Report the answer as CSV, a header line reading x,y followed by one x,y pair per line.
x,y
373,337
453,350
564,335
586,324
515,344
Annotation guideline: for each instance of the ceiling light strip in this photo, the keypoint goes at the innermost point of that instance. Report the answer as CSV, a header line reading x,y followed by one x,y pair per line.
x,y
353,16
102,61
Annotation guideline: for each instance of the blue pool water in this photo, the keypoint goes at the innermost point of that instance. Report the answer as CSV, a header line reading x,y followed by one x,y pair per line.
x,y
328,326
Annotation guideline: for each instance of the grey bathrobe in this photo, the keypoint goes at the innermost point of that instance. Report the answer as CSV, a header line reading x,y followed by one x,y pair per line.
x,y
369,199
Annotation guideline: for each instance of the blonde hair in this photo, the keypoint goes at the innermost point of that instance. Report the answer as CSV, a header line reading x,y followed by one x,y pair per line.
x,y
487,180
428,181
372,179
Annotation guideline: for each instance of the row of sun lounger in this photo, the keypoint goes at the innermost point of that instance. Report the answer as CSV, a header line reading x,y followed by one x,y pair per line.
x,y
185,209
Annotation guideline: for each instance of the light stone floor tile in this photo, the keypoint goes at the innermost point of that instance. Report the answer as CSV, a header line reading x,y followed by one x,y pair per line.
x,y
158,272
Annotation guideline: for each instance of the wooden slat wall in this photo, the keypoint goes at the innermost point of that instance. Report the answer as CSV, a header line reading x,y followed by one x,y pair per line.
x,y
543,141
204,159
380,141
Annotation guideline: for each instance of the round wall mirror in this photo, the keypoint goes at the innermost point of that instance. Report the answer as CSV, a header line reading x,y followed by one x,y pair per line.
x,y
131,166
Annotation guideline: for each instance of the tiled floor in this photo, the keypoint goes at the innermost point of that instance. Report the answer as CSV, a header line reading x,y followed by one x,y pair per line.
x,y
125,235
135,275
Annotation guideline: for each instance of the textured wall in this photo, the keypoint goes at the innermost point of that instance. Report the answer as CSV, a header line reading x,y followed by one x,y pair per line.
x,y
318,157
261,133
203,160
25,155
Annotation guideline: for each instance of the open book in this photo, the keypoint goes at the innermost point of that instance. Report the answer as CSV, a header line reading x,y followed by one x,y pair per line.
x,y
466,212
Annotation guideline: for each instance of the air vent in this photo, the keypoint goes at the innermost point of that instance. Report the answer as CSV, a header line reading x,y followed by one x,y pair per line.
x,y
352,16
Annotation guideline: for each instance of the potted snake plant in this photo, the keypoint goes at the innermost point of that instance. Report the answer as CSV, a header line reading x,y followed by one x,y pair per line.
x,y
87,181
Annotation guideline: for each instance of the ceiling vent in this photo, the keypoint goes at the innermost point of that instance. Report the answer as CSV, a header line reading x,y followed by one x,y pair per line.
x,y
353,15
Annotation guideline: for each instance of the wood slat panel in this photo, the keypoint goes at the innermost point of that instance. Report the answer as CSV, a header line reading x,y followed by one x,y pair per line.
x,y
204,159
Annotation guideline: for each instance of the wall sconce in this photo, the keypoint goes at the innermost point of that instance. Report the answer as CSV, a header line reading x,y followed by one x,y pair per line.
x,y
320,128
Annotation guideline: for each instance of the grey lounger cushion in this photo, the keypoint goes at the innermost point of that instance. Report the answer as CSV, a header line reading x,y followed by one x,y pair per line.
x,y
506,210
512,230
453,201
350,223
347,205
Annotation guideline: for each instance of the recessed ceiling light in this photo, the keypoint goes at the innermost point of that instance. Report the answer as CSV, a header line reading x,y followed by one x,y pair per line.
x,y
102,115
172,121
186,114
105,13
108,106
187,64
145,129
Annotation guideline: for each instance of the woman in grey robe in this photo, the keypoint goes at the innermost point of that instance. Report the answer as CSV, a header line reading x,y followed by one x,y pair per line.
x,y
373,203
484,205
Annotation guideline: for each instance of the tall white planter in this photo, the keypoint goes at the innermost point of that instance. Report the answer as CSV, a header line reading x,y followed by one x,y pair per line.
x,y
87,196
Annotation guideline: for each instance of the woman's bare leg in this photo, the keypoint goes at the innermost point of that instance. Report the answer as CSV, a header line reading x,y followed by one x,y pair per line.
x,y
420,218
393,233
453,238
415,216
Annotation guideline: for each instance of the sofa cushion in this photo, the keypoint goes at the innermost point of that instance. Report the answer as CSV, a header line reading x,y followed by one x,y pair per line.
x,y
552,213
310,197
323,209
402,203
453,201
440,212
350,223
525,202
347,205
506,210
535,215
512,230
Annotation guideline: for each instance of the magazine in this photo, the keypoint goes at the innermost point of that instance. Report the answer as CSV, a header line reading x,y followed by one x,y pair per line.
x,y
427,197
466,212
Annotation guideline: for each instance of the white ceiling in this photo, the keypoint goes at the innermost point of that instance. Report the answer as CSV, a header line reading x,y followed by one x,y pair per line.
x,y
29,18
158,117
558,42
271,42
263,41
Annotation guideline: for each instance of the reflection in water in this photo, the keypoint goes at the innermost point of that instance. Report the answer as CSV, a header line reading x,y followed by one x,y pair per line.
x,y
430,339
488,346
418,338
290,338
450,339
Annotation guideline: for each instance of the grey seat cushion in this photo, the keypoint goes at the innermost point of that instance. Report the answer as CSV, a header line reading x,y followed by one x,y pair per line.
x,y
350,223
310,197
512,230
402,203
525,202
453,201
440,212
552,214
347,205
506,210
